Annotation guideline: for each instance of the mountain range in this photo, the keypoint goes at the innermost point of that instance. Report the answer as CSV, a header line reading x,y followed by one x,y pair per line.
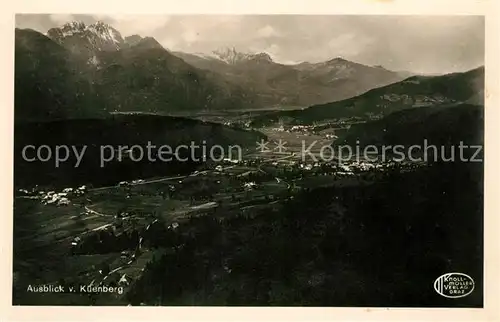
x,y
78,70
300,84
82,71
415,91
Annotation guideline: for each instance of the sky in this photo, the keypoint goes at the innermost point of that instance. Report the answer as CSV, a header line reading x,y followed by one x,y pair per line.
x,y
420,44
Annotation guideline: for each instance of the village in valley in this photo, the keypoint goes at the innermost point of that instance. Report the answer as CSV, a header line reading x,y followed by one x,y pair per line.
x,y
111,233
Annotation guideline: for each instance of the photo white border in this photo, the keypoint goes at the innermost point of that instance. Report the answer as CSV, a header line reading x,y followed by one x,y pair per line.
x,y
488,8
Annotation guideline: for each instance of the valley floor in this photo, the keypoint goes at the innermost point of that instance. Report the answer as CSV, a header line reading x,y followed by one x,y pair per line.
x,y
269,230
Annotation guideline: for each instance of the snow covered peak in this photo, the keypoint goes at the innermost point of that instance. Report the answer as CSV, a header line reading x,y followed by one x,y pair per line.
x,y
74,25
68,29
232,56
106,33
100,36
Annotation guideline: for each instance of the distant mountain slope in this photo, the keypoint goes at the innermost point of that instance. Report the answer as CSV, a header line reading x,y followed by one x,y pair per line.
x,y
146,77
50,83
440,126
416,91
120,131
302,84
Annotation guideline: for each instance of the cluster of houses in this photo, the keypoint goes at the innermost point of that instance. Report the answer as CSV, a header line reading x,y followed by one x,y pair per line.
x,y
130,183
230,161
249,185
346,168
304,129
300,128
226,161
331,136
60,198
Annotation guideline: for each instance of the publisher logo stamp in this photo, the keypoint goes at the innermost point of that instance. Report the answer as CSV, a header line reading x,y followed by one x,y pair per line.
x,y
454,285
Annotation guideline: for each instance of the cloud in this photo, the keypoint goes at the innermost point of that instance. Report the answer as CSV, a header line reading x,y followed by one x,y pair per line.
x,y
267,31
348,44
190,36
169,43
273,49
137,24
61,19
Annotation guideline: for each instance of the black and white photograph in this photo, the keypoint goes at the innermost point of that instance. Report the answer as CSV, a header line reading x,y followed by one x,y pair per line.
x,y
248,160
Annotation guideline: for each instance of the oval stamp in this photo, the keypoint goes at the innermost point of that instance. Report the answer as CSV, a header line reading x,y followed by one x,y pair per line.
x,y
454,285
